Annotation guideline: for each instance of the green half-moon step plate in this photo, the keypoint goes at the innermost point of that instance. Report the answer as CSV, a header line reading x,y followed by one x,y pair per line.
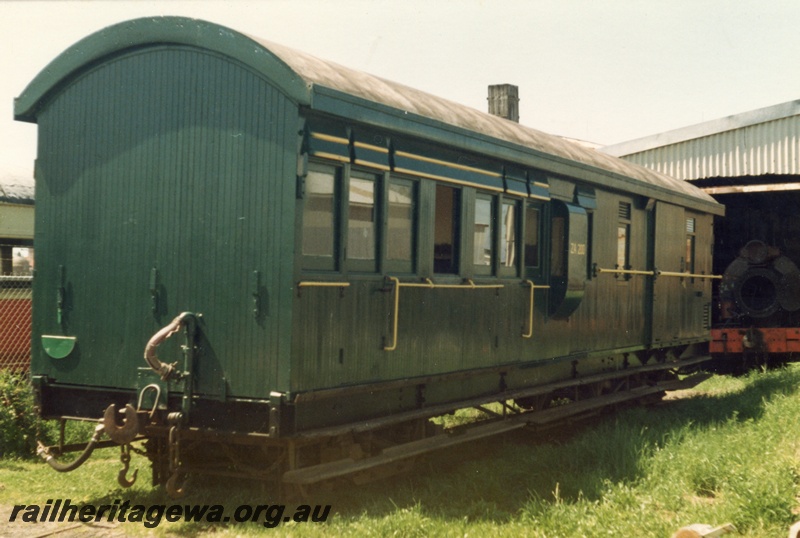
x,y
58,347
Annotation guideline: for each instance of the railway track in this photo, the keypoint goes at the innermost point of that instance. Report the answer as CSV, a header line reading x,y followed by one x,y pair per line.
x,y
512,418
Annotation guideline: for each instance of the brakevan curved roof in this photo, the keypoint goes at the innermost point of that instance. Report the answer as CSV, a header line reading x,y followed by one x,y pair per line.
x,y
334,89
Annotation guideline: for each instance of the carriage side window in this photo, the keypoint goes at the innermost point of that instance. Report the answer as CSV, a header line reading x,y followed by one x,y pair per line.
x,y
508,235
623,236
400,223
689,264
319,215
622,245
446,229
361,218
532,227
400,229
483,236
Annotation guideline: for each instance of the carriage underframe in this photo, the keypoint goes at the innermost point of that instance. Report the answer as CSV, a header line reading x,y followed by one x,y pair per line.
x,y
366,450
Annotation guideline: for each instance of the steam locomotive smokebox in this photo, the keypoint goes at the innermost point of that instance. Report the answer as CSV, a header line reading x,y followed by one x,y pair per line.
x,y
761,282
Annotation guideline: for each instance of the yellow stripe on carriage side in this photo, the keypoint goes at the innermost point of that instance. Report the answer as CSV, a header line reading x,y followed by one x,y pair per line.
x,y
330,138
518,193
370,147
447,179
382,167
333,156
447,164
376,149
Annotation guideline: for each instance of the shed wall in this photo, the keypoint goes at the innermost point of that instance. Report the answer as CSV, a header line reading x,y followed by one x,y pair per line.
x,y
16,221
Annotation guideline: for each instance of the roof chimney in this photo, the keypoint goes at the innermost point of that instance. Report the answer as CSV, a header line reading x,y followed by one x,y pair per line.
x,y
504,101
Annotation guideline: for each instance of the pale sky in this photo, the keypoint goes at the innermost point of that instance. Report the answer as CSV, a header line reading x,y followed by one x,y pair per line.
x,y
605,71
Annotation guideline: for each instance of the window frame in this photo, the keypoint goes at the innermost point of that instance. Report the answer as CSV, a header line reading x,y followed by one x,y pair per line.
x,y
538,270
624,221
361,265
513,270
485,269
689,263
314,262
401,266
457,235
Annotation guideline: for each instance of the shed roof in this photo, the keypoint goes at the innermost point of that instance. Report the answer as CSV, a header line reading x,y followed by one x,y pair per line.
x,y
759,143
332,88
16,186
704,129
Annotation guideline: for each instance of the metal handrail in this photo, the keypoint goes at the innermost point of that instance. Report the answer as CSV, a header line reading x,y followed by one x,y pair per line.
x,y
685,275
598,270
312,284
428,283
655,273
530,310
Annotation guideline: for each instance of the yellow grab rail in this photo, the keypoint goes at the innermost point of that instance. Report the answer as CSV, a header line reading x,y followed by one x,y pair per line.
x,y
530,310
597,270
311,284
469,285
685,275
656,273
321,284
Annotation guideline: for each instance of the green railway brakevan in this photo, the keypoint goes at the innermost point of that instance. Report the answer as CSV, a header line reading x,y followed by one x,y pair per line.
x,y
342,258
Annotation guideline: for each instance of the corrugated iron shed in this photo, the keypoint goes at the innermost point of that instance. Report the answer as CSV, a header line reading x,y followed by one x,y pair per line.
x,y
16,187
761,142
16,209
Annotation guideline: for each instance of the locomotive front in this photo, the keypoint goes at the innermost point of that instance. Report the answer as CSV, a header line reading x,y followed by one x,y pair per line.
x,y
759,300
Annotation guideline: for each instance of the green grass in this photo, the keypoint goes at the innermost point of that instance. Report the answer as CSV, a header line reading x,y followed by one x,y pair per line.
x,y
20,427
730,452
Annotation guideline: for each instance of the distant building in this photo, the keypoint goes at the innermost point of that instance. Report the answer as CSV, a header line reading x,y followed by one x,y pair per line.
x,y
16,221
750,162
759,147
16,267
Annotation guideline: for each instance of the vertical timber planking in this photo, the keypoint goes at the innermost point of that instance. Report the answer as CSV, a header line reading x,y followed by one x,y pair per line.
x,y
173,157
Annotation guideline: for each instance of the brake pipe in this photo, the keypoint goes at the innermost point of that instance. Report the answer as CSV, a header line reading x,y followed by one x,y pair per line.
x,y
45,454
163,369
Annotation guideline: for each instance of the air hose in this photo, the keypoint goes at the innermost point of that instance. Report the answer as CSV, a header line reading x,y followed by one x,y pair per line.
x,y
164,370
67,467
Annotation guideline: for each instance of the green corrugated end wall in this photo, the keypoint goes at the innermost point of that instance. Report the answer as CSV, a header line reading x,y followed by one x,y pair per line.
x,y
182,164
